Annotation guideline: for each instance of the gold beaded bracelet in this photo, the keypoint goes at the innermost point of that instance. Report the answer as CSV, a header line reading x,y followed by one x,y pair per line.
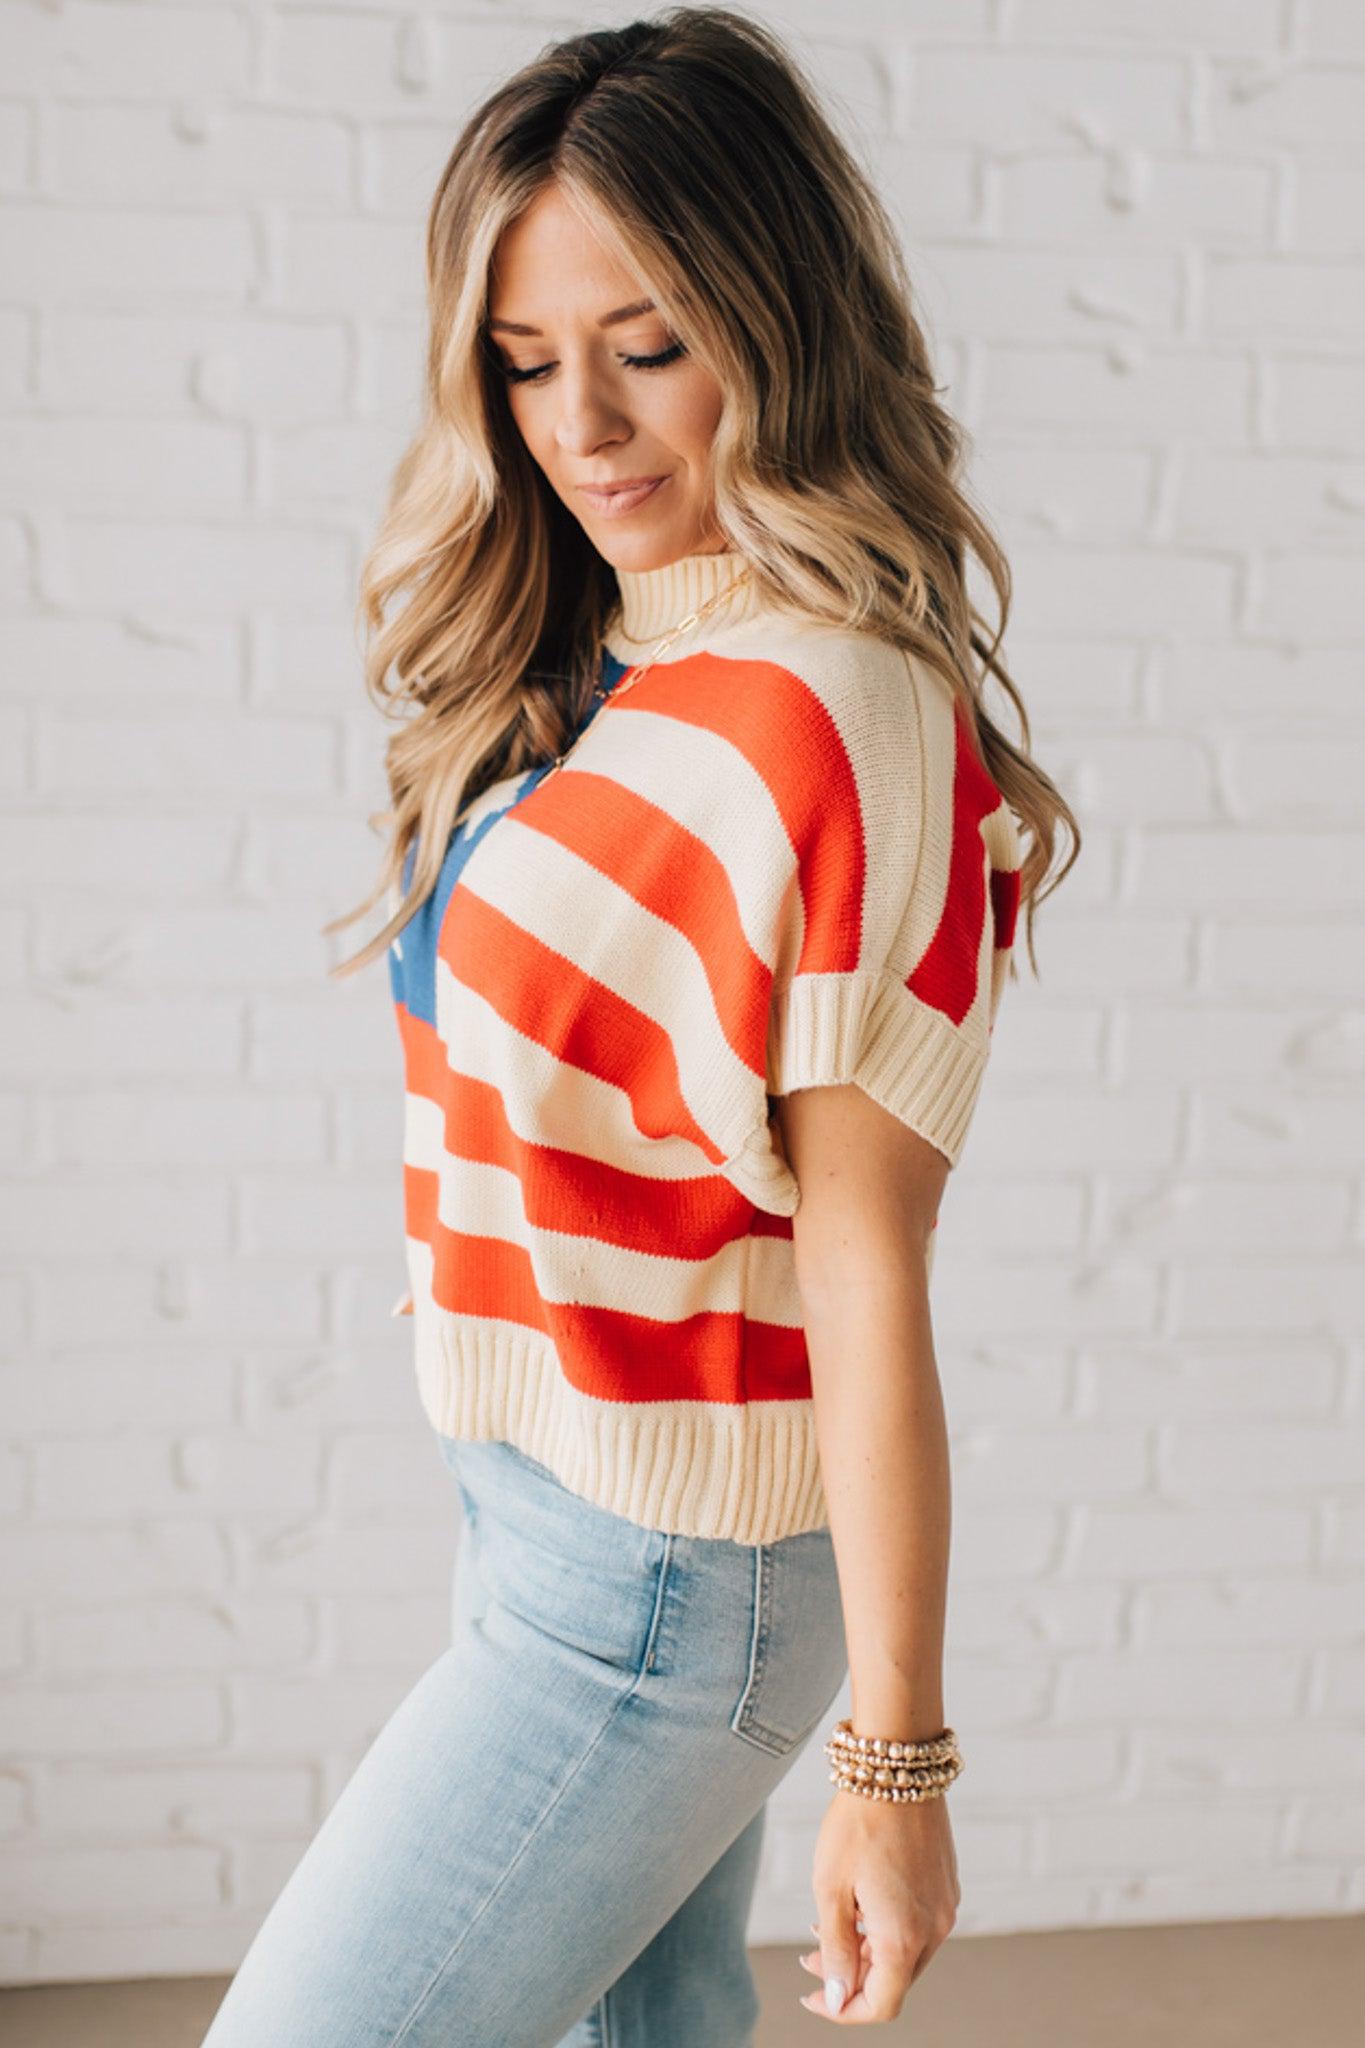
x,y
875,1768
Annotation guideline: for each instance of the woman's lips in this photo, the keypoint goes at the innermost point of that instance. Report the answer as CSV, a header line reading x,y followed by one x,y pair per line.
x,y
613,504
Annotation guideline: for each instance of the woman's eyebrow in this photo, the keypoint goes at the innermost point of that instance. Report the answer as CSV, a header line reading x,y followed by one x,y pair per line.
x,y
630,312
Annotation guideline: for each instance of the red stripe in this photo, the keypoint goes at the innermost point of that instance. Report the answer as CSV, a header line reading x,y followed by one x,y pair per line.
x,y
424,1056
946,976
613,1354
675,876
486,1277
693,1217
811,780
1004,904
549,999
421,1194
609,1354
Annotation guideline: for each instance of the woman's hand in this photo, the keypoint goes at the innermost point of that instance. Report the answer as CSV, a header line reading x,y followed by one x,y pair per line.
x,y
890,1869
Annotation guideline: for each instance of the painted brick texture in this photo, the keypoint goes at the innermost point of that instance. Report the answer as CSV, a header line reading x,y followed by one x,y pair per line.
x,y
225,1541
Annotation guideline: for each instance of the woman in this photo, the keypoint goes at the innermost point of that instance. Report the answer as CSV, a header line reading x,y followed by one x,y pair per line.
x,y
703,881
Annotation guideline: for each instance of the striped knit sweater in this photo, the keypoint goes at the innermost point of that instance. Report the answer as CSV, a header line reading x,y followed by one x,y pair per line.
x,y
774,863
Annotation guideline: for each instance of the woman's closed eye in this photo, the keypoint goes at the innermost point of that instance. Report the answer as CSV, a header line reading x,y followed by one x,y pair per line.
x,y
539,370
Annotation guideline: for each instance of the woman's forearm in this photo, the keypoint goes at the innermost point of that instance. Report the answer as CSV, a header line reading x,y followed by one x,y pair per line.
x,y
883,1442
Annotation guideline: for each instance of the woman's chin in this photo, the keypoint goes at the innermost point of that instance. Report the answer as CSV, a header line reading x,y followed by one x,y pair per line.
x,y
646,548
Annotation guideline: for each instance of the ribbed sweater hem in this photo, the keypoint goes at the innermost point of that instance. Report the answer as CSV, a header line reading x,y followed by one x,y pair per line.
x,y
745,1471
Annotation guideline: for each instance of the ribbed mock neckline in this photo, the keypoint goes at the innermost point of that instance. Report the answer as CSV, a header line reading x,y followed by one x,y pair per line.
x,y
653,600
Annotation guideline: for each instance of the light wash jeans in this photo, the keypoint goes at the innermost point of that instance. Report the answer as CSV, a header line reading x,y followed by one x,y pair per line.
x,y
553,1842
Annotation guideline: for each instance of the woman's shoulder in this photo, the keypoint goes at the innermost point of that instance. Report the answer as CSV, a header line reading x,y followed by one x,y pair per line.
x,y
815,646
869,693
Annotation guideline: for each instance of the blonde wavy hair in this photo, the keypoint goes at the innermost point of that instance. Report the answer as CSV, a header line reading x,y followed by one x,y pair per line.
x,y
835,469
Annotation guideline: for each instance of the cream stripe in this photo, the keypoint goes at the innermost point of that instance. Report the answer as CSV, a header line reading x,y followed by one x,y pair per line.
x,y
548,1101
729,805
480,1200
424,1133
495,798
486,1201
577,911
873,694
934,806
774,1296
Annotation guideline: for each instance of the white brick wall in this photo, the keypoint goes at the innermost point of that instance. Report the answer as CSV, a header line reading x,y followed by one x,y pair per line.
x,y
225,1542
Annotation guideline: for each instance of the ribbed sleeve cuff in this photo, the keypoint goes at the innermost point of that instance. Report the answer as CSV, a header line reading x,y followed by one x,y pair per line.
x,y
870,1028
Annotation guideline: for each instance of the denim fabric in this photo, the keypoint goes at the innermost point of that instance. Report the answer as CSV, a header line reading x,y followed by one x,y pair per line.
x,y
553,1842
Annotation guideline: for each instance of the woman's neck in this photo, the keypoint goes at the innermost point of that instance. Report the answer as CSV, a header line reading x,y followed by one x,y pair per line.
x,y
652,600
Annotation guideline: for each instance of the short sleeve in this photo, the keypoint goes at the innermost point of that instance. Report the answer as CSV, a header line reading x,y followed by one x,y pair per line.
x,y
891,935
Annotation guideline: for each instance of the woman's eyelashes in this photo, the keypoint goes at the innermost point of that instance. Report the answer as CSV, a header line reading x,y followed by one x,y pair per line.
x,y
654,362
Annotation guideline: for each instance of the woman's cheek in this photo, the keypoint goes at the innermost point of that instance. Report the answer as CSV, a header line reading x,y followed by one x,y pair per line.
x,y
702,409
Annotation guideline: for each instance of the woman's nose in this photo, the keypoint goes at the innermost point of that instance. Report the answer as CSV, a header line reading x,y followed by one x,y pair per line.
x,y
586,420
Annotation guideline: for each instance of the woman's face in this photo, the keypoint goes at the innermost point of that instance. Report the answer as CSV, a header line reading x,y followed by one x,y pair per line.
x,y
592,413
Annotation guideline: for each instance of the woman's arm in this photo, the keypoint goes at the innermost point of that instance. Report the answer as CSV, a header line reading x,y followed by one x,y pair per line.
x,y
870,1192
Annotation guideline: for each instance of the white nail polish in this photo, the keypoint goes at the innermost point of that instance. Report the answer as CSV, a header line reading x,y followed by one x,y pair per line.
x,y
836,1991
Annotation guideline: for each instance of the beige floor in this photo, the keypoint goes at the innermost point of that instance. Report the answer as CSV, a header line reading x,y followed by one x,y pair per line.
x,y
1244,1984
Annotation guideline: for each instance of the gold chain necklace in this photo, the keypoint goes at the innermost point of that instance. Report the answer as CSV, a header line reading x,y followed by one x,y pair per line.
x,y
633,675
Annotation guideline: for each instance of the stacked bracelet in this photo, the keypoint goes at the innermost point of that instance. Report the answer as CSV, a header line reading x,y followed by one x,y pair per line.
x,y
877,1769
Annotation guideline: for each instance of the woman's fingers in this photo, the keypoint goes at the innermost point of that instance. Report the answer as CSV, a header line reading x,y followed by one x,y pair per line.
x,y
811,1960
839,1943
878,1995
